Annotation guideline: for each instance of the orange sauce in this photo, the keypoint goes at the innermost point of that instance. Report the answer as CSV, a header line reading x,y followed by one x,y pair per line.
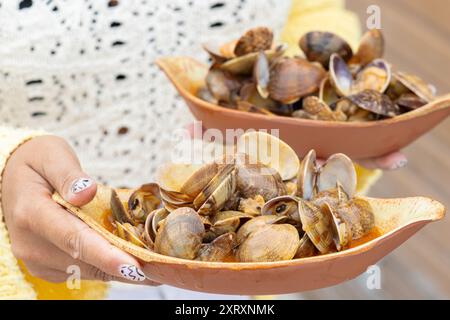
x,y
107,220
372,234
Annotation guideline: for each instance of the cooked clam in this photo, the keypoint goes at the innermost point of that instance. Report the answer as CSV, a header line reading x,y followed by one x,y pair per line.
x,y
319,46
180,234
294,78
338,169
273,242
375,102
220,249
255,224
371,47
143,201
254,40
270,151
282,206
307,174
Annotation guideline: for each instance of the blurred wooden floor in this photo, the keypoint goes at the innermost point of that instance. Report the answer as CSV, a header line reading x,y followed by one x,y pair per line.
x,y
417,33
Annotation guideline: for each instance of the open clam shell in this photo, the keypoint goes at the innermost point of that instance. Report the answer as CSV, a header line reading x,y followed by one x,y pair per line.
x,y
358,140
395,219
270,151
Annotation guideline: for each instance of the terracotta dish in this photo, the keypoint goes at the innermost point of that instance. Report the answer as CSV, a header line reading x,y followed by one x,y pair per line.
x,y
395,219
356,139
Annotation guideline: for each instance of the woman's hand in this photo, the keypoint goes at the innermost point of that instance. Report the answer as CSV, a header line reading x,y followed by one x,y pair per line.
x,y
46,237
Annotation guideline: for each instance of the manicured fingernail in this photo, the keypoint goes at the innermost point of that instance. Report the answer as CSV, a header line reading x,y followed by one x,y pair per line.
x,y
80,185
399,164
131,272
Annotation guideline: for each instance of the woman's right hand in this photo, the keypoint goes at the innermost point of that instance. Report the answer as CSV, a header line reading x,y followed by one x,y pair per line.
x,y
47,238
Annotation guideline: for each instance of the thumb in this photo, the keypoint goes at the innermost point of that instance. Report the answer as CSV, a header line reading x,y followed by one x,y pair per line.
x,y
59,165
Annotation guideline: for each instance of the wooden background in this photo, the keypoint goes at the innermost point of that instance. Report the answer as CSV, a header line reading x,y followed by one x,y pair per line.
x,y
417,33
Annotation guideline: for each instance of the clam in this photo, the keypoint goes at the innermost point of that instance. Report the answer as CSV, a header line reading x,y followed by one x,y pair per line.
x,y
306,178
358,215
243,65
294,78
317,224
340,76
152,223
415,85
258,180
306,248
273,242
375,102
226,221
220,249
180,234
130,233
261,74
319,46
337,169
118,209
143,201
256,223
282,206
221,84
251,206
342,233
410,101
198,180
333,197
375,76
371,47
216,193
321,111
220,54
327,93
250,94
270,151
254,40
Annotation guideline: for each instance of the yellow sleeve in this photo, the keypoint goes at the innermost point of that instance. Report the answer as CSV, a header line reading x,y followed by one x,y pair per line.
x,y
327,15
12,281
15,281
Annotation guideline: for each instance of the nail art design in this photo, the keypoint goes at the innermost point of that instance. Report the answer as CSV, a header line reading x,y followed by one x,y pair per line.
x,y
131,272
81,184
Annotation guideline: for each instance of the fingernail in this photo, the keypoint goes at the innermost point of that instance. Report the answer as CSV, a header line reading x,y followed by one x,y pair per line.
x,y
399,164
131,272
80,185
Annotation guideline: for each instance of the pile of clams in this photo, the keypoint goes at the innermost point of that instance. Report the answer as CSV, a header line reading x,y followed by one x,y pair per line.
x,y
259,203
330,82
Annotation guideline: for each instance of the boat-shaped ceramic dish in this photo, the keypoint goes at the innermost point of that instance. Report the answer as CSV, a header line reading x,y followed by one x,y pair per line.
x,y
395,220
356,139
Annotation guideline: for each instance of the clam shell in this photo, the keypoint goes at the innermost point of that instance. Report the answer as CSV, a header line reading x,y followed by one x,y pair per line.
x,y
180,234
219,249
320,45
283,244
254,40
282,206
306,178
255,224
294,78
416,85
270,151
370,48
306,248
375,102
317,224
340,76
337,169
